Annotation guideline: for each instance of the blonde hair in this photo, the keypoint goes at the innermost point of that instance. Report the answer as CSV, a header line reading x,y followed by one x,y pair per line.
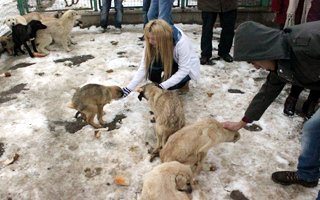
x,y
162,32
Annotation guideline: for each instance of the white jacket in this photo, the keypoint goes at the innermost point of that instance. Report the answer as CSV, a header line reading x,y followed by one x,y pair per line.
x,y
186,58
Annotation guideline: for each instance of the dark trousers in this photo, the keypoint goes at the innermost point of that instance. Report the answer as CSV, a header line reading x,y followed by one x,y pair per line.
x,y
295,91
227,23
104,13
155,75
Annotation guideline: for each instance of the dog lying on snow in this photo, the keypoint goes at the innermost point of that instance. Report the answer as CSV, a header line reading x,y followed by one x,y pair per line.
x,y
168,181
168,112
7,44
90,99
21,34
58,31
191,144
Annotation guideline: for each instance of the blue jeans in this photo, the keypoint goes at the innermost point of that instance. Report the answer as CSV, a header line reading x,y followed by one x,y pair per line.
x,y
161,9
145,8
104,13
309,159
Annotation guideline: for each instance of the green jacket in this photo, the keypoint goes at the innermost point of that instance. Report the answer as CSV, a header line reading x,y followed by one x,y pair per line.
x,y
217,5
295,50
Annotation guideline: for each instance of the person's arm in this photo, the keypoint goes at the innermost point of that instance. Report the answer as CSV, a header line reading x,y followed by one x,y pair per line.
x,y
183,53
138,78
261,101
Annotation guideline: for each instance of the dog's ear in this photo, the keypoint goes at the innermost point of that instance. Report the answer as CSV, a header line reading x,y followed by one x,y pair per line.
x,y
183,183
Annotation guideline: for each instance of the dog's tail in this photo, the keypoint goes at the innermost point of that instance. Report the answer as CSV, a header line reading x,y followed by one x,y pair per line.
x,y
71,105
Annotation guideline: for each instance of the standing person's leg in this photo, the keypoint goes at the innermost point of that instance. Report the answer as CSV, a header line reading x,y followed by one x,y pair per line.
x,y
118,15
153,11
208,20
310,104
227,23
145,8
291,101
104,13
165,10
309,160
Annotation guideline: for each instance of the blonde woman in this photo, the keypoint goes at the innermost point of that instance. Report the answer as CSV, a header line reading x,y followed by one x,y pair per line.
x,y
169,61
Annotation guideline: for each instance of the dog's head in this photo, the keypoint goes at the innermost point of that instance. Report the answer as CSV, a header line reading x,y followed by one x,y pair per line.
x,y
11,21
36,25
146,91
183,182
72,14
116,92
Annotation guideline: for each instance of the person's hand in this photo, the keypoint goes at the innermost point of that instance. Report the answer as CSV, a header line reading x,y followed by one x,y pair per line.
x,y
126,91
234,126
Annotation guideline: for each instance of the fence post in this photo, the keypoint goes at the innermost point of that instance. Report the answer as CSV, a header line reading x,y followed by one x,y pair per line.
x,y
183,4
265,3
95,5
21,7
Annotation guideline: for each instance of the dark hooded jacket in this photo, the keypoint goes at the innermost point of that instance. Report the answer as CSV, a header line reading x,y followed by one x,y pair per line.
x,y
295,50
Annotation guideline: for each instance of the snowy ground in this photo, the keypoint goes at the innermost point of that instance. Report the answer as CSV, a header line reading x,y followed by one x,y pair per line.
x,y
59,157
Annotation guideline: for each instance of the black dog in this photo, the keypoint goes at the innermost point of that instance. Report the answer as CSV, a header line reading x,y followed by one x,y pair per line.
x,y
23,33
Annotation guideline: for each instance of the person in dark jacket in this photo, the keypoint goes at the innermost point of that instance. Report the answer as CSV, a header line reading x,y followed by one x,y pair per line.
x,y
227,11
292,56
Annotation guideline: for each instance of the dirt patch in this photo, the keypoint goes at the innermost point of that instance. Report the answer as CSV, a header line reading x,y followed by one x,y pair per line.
x,y
1,148
76,60
253,128
70,127
21,65
235,91
4,96
113,125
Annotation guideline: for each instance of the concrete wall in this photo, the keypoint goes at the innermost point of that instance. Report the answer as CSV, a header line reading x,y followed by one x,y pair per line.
x,y
186,16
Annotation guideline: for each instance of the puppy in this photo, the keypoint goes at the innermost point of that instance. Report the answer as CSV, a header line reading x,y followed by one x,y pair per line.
x,y
21,34
169,181
58,31
7,44
191,144
14,20
168,112
90,99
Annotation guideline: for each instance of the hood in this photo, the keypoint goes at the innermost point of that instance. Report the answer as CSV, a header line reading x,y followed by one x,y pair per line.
x,y
254,41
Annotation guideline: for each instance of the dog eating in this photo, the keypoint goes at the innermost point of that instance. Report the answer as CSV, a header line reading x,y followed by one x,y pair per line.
x,y
191,144
90,99
168,112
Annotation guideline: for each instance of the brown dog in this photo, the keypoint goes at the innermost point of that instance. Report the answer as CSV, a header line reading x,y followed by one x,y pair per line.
x,y
191,144
169,181
168,112
90,99
7,44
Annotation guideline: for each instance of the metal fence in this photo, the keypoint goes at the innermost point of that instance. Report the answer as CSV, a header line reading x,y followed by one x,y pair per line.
x,y
55,5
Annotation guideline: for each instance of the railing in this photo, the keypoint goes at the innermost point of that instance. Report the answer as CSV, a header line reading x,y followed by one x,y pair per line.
x,y
26,6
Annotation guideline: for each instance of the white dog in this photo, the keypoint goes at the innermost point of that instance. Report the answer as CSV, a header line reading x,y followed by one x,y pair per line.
x,y
14,20
58,30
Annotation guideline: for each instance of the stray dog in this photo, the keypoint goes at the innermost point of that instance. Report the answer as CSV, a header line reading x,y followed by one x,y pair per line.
x,y
14,20
191,144
169,181
58,31
21,34
90,99
7,44
168,112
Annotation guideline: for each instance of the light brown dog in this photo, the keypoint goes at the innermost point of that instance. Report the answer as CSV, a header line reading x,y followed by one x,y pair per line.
x,y
191,144
168,112
58,30
7,44
90,99
168,181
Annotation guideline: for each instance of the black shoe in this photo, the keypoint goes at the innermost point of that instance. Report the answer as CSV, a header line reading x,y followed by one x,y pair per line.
x,y
291,177
141,38
226,57
308,108
206,61
290,106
